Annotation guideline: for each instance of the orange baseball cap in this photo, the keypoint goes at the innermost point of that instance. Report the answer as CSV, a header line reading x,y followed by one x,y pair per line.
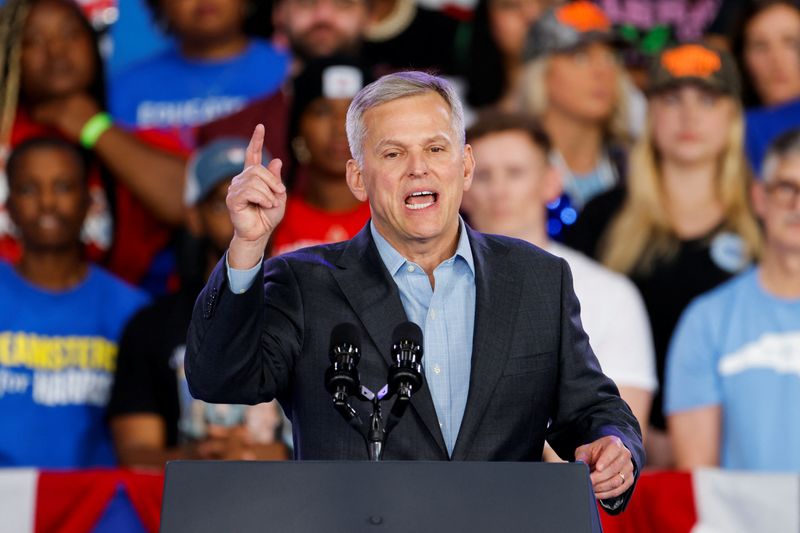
x,y
695,63
566,27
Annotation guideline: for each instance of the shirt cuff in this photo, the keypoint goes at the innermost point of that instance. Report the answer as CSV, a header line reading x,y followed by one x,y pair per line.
x,y
240,281
612,504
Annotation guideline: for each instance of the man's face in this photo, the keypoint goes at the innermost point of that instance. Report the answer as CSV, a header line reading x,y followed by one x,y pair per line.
x,y
322,28
414,172
777,203
48,198
513,182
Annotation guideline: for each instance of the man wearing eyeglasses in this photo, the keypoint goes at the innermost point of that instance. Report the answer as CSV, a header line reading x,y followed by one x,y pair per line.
x,y
733,369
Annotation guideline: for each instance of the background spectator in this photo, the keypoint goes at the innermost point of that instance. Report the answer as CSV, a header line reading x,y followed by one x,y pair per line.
x,y
322,28
732,379
683,226
403,35
649,26
58,340
53,84
493,63
314,29
321,209
512,185
136,35
767,45
219,66
575,87
152,414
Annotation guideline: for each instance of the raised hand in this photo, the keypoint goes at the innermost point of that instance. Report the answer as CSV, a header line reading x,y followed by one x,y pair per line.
x,y
68,114
256,203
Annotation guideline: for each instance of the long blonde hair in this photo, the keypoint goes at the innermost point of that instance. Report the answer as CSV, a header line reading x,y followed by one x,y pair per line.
x,y
641,234
533,98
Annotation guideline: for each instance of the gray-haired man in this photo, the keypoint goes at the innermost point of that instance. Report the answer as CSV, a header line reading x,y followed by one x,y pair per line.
x,y
507,363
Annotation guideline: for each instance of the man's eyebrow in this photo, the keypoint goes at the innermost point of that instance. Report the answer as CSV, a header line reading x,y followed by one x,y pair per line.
x,y
388,142
394,142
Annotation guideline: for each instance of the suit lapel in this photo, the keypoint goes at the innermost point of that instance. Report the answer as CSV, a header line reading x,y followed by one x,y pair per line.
x,y
496,301
373,295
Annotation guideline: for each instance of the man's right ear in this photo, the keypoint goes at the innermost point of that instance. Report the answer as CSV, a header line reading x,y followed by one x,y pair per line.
x,y
355,180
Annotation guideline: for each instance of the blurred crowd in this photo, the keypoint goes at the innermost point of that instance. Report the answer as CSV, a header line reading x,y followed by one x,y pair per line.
x,y
653,144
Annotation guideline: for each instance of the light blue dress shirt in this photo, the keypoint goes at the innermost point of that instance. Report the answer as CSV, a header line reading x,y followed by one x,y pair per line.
x,y
446,315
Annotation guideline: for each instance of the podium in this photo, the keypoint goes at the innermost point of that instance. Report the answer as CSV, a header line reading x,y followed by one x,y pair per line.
x,y
377,497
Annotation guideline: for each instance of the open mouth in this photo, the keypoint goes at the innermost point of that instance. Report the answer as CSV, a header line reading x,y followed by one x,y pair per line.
x,y
421,199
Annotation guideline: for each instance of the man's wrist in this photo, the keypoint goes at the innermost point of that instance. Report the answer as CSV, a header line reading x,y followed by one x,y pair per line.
x,y
244,255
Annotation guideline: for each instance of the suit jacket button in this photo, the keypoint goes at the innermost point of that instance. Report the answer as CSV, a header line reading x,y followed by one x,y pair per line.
x,y
212,298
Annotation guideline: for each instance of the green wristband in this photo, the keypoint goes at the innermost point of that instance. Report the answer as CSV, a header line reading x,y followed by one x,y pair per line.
x,y
94,128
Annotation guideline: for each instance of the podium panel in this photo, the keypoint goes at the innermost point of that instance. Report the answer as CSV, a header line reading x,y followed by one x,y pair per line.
x,y
377,497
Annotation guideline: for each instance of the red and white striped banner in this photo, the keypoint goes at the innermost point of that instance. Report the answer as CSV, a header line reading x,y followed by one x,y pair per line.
x,y
705,501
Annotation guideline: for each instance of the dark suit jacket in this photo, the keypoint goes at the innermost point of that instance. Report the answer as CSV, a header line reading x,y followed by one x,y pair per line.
x,y
534,376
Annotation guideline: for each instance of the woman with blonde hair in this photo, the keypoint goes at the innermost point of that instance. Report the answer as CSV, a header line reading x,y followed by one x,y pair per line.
x,y
573,83
683,224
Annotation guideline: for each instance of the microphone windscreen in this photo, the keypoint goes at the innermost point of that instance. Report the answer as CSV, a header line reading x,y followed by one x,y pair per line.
x,y
345,333
407,331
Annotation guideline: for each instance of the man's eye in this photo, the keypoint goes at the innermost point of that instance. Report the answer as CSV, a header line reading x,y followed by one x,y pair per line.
x,y
391,155
437,149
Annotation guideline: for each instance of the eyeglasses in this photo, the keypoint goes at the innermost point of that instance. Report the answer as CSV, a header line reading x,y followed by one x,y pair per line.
x,y
784,192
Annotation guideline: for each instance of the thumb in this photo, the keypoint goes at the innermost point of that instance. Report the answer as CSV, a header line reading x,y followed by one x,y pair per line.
x,y
583,454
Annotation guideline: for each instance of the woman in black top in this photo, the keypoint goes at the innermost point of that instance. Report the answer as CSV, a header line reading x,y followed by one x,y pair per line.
x,y
683,224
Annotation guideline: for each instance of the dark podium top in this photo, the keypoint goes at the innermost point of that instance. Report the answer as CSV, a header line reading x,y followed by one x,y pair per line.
x,y
351,497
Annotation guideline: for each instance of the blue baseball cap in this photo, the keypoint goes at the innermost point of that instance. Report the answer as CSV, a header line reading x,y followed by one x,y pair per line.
x,y
219,160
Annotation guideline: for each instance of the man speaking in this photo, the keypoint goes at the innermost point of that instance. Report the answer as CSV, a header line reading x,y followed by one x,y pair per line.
x,y
507,364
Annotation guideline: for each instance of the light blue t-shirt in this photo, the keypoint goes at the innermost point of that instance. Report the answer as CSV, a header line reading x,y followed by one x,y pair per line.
x,y
739,347
171,93
58,353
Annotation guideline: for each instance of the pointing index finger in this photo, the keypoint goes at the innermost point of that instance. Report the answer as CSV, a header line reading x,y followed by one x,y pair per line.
x,y
254,149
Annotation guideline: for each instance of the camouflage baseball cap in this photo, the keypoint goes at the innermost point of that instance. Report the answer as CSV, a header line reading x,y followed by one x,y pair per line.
x,y
566,27
695,63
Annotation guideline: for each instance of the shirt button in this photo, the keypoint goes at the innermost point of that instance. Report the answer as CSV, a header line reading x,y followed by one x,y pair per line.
x,y
410,268
433,314
436,369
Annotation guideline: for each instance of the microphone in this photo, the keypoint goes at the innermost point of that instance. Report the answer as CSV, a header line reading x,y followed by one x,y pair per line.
x,y
341,378
405,375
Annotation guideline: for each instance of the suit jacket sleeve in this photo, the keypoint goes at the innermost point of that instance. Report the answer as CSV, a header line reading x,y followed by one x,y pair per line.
x,y
241,348
588,405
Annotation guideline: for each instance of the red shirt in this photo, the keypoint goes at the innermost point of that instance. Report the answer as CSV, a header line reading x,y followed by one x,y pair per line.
x,y
304,225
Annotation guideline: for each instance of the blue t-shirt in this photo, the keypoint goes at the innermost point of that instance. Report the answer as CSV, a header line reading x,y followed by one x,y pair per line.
x,y
58,352
739,347
171,93
764,125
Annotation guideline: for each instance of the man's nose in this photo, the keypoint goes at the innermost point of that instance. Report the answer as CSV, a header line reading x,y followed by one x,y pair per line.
x,y
417,165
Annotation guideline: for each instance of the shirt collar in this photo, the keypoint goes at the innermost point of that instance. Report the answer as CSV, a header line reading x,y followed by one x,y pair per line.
x,y
394,261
